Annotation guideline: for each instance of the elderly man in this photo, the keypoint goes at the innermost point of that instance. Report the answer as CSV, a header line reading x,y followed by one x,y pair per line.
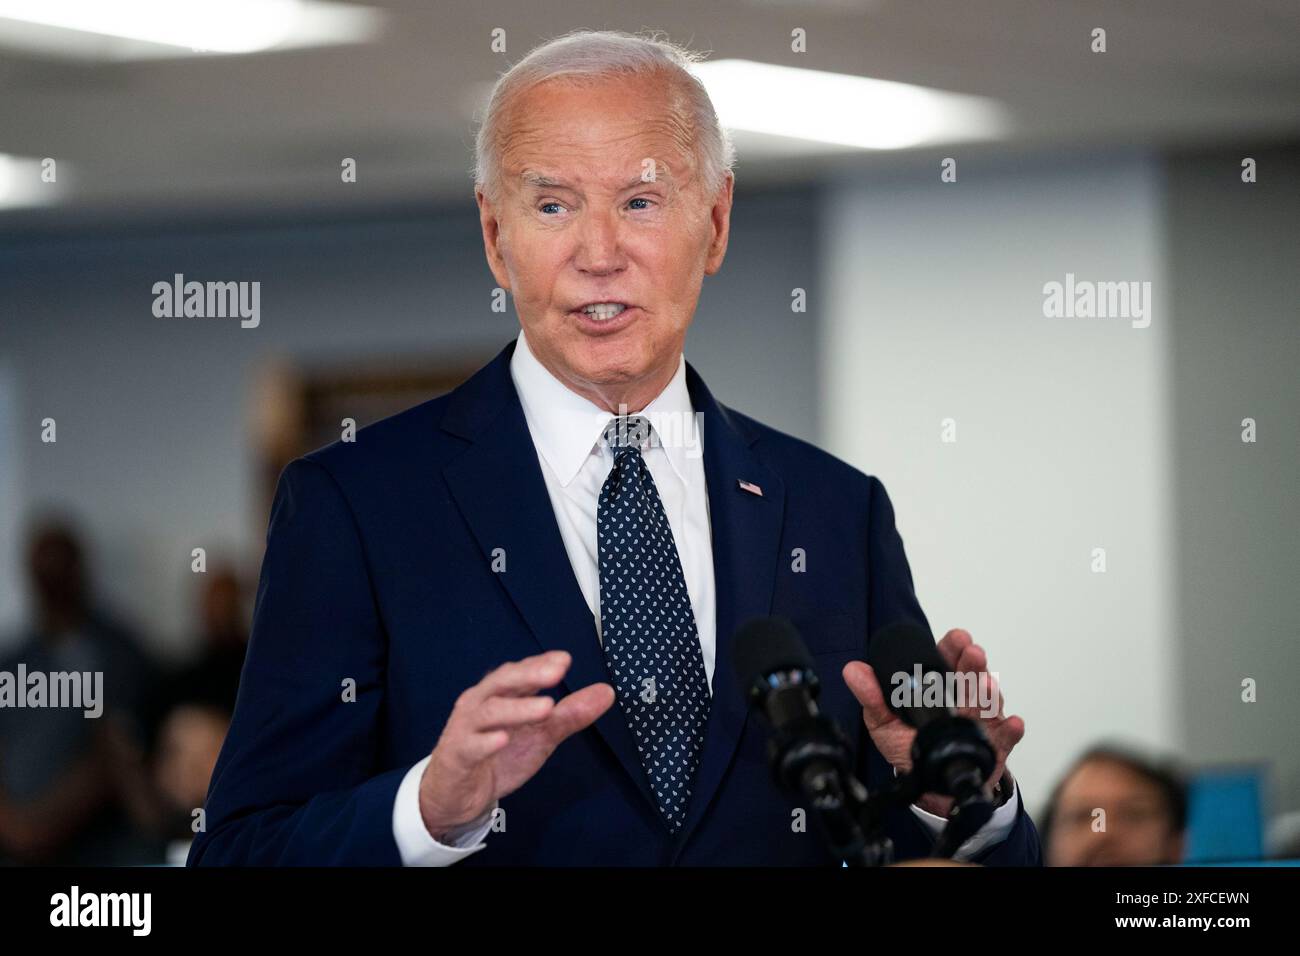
x,y
539,575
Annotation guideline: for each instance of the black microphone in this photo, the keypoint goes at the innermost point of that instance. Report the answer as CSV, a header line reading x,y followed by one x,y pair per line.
x,y
808,752
908,665
950,755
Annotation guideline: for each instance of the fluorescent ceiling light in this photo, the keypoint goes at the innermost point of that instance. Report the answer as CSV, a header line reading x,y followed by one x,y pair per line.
x,y
129,29
21,183
844,110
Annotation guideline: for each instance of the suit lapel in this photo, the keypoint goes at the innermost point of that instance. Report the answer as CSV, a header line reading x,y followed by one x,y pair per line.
x,y
746,531
497,483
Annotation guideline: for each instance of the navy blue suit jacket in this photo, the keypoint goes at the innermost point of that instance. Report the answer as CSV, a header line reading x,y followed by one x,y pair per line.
x,y
378,569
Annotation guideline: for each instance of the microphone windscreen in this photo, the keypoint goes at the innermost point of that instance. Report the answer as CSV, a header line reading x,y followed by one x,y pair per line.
x,y
898,648
764,645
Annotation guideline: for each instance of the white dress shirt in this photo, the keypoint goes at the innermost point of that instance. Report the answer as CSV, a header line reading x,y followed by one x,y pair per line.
x,y
566,430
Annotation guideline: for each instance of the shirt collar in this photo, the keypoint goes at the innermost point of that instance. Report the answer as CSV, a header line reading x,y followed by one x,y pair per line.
x,y
567,428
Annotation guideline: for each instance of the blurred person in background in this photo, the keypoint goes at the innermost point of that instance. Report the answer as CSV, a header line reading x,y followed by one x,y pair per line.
x,y
1283,837
1145,812
164,780
188,743
58,798
223,624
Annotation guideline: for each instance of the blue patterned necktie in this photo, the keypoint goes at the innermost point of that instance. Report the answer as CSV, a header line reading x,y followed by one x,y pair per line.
x,y
652,649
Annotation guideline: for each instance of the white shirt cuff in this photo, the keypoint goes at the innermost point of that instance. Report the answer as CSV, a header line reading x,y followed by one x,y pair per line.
x,y
414,842
993,832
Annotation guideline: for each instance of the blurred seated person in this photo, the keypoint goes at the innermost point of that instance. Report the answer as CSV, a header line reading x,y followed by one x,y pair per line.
x,y
189,741
58,800
165,780
1114,807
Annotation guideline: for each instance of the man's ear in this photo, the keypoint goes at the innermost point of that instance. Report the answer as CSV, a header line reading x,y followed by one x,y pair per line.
x,y
720,224
491,227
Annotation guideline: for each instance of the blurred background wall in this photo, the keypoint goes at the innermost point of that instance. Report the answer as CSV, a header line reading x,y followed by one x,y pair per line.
x,y
1234,351
924,303
1061,426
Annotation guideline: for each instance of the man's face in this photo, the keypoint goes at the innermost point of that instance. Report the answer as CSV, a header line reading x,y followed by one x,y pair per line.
x,y
601,200
1138,831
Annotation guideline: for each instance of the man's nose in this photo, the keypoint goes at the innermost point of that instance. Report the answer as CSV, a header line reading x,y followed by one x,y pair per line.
x,y
599,248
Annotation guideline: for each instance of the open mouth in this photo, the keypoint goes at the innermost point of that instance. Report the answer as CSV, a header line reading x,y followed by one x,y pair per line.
x,y
599,317
603,311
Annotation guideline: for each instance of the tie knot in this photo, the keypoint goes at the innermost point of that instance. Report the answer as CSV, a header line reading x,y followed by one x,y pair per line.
x,y
627,431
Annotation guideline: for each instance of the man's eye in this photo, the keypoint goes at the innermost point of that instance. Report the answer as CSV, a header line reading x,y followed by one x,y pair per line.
x,y
545,204
640,199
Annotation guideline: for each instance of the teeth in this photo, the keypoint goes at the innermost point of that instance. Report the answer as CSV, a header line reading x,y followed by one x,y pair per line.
x,y
604,310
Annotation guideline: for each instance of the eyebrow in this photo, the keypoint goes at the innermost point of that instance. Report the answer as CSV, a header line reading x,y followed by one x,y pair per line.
x,y
541,181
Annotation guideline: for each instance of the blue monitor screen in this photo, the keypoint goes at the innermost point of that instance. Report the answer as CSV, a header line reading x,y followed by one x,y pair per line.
x,y
1225,815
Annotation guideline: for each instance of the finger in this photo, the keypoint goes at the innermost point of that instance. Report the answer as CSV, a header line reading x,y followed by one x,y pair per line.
x,y
972,659
991,696
953,643
979,703
579,710
522,678
977,693
862,682
1010,733
995,696
505,712
473,749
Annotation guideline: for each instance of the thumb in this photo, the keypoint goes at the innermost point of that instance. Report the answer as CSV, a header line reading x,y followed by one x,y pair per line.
x,y
862,682
578,710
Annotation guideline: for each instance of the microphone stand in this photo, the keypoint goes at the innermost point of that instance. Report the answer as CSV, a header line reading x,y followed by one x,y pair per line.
x,y
811,756
950,756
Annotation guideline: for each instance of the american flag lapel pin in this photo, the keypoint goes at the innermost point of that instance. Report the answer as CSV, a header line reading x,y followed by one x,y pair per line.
x,y
749,486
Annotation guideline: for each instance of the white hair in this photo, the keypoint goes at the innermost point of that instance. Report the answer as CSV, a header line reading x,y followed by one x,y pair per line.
x,y
589,54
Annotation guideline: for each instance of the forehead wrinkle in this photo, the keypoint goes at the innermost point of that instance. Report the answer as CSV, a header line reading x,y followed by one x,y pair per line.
x,y
533,138
672,123
531,178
